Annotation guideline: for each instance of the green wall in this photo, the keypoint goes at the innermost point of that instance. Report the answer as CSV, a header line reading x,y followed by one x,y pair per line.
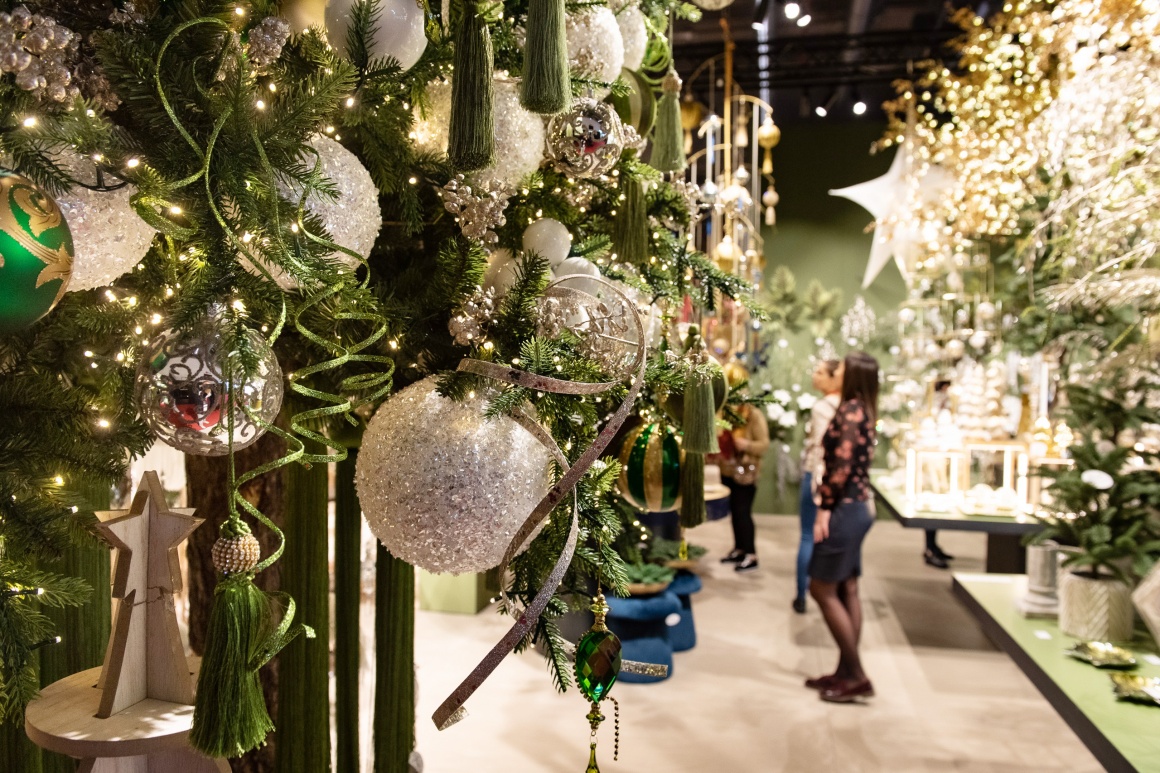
x,y
819,236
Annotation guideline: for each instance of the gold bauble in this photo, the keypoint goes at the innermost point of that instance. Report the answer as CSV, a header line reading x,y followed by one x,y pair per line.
x,y
768,134
692,113
736,373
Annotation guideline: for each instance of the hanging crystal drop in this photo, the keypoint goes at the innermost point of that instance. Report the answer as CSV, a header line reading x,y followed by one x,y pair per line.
x,y
592,766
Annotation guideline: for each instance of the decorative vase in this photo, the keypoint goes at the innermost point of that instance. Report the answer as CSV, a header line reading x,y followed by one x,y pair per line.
x,y
1040,599
1095,608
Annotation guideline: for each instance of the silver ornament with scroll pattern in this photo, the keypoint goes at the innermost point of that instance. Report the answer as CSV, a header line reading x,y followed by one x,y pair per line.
x,y
587,139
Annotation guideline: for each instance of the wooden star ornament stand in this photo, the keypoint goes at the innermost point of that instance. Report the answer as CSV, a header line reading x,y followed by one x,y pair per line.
x,y
133,714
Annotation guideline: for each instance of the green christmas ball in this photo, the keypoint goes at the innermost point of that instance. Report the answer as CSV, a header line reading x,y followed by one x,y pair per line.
x,y
36,252
638,107
674,404
650,473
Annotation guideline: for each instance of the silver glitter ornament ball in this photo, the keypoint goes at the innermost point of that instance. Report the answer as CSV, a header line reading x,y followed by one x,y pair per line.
x,y
183,389
587,139
443,487
353,218
109,237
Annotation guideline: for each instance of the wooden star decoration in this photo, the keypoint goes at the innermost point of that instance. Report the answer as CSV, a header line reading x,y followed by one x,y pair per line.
x,y
145,658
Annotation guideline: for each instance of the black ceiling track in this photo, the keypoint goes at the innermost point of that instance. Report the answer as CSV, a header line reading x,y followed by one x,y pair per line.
x,y
818,61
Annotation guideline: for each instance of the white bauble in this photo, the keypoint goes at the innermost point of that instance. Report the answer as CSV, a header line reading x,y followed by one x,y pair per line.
x,y
502,272
109,237
443,487
906,315
550,239
303,14
595,46
635,35
519,134
353,218
573,266
955,348
432,121
985,311
519,137
401,29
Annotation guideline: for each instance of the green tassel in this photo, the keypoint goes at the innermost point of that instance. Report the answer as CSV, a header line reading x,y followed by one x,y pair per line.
x,y
471,135
347,602
630,228
668,150
394,718
547,85
692,490
229,715
700,419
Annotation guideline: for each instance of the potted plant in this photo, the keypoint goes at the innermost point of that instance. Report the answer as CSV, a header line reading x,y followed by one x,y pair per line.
x,y
1103,516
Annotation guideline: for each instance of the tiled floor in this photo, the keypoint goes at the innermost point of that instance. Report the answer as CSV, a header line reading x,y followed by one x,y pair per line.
x,y
947,700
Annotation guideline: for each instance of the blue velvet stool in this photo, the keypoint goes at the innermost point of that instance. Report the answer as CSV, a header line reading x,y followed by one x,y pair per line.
x,y
683,635
642,624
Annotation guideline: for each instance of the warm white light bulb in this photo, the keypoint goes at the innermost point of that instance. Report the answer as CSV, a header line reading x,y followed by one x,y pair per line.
x,y
792,10
804,20
821,111
859,108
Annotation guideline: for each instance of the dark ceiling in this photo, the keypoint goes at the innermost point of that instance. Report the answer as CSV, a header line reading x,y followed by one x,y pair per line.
x,y
850,51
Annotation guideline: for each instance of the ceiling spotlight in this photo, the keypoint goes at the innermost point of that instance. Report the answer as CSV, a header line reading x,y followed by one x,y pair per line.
x,y
804,20
820,111
792,10
859,108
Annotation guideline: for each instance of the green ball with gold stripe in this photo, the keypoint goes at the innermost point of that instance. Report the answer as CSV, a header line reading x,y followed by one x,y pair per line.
x,y
650,468
638,106
36,252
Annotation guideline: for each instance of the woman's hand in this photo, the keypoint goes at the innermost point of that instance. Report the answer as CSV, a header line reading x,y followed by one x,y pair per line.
x,y
822,526
741,444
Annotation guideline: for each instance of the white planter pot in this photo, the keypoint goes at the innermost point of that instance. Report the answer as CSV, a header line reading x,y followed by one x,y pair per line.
x,y
1095,609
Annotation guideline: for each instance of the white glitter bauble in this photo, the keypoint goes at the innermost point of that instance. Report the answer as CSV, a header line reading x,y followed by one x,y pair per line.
x,y
635,35
550,239
978,339
108,235
595,46
400,31
519,137
519,134
353,219
441,486
955,348
502,272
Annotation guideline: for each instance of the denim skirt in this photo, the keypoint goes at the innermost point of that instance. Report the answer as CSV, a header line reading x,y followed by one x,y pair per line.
x,y
839,557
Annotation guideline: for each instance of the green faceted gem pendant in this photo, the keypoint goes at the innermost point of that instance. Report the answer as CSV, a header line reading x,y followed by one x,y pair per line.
x,y
597,663
36,252
592,766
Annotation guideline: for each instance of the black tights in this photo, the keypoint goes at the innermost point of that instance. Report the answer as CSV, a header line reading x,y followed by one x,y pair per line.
x,y
842,609
741,498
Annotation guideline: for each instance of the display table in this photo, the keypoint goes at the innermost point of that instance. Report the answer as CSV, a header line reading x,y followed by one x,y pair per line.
x,y
1005,533
1123,736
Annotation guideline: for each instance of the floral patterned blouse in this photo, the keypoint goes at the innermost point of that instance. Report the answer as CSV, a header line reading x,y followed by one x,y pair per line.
x,y
848,448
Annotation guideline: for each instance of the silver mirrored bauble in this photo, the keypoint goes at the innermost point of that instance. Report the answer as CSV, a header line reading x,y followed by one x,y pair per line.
x,y
183,389
587,139
443,487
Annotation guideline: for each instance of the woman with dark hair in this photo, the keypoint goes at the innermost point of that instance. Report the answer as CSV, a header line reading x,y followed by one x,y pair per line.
x,y
845,515
827,379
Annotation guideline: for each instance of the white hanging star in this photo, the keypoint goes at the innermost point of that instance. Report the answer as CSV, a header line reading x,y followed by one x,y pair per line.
x,y
897,200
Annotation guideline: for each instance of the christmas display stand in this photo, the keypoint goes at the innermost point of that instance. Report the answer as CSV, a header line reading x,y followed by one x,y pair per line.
x,y
133,714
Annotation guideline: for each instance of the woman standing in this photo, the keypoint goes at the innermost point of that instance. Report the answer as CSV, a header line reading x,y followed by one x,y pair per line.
x,y
827,379
845,515
750,440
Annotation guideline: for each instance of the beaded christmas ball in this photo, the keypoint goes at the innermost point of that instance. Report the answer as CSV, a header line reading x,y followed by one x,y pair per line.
x,y
442,486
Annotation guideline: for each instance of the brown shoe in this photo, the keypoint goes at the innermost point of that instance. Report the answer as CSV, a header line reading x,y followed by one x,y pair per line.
x,y
845,691
822,682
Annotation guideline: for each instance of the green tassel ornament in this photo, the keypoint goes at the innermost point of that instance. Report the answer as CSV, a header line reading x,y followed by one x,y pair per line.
x,y
547,84
471,135
630,228
692,490
668,151
700,419
230,716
